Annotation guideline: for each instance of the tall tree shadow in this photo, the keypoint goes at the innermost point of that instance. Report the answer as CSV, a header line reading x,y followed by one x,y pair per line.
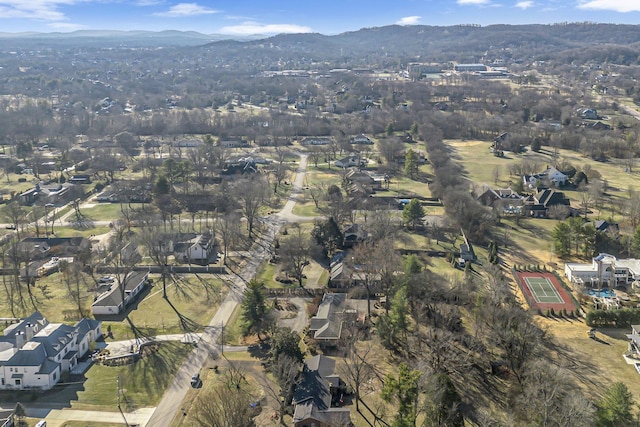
x,y
186,324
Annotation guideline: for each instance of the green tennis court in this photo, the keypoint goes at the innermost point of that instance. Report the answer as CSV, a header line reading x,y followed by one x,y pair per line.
x,y
543,290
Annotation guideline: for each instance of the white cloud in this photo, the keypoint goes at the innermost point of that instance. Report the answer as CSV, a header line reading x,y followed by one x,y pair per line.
x,y
46,10
250,27
474,2
622,6
524,4
409,20
181,10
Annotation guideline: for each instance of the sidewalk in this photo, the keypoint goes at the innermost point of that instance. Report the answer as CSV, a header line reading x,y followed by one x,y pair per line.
x,y
57,417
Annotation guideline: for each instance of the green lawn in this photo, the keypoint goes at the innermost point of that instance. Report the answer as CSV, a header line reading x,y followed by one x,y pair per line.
x,y
192,308
103,211
306,209
142,384
479,165
51,298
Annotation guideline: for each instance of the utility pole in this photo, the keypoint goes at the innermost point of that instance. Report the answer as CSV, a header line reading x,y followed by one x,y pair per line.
x,y
222,338
119,408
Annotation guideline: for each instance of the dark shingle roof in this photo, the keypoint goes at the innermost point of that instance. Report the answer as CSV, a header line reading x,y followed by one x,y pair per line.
x,y
32,354
55,337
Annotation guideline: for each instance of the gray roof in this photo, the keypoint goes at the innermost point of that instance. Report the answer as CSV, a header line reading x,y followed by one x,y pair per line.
x,y
36,319
48,367
55,337
31,354
336,417
322,364
85,325
113,297
327,323
312,395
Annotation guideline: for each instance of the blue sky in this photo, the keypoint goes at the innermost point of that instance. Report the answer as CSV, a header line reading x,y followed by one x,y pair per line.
x,y
244,17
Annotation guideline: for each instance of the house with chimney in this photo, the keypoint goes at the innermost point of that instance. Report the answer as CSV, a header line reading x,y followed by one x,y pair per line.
x,y
36,354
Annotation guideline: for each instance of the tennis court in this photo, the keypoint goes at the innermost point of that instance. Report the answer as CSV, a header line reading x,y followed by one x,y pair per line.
x,y
543,290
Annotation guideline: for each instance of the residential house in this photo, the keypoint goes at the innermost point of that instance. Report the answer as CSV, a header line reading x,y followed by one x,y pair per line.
x,y
240,165
598,126
352,160
503,196
55,193
362,183
318,394
538,205
634,342
401,156
234,143
361,139
550,175
603,226
326,325
197,249
116,299
316,140
189,143
80,179
35,354
587,113
466,251
37,248
604,270
353,234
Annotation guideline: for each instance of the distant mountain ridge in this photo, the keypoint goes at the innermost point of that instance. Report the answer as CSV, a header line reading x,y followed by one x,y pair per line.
x,y
463,43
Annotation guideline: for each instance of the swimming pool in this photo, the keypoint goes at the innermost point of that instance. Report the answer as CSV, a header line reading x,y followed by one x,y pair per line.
x,y
603,293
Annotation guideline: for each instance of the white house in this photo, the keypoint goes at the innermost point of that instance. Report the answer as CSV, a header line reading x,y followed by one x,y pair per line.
x,y
551,174
197,249
361,139
604,269
318,140
113,301
34,353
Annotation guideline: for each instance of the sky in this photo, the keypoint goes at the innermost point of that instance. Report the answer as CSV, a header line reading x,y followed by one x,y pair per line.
x,y
246,17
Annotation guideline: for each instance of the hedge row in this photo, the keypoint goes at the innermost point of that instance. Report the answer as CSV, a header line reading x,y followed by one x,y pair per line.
x,y
617,318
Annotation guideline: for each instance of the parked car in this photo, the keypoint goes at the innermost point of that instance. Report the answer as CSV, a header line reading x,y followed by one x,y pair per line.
x,y
195,380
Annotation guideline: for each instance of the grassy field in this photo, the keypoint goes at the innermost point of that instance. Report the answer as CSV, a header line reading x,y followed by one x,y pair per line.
x,y
101,211
142,383
190,305
193,302
595,364
51,297
479,165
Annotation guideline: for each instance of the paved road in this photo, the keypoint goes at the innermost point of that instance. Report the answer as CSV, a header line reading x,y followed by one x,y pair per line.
x,y
172,400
